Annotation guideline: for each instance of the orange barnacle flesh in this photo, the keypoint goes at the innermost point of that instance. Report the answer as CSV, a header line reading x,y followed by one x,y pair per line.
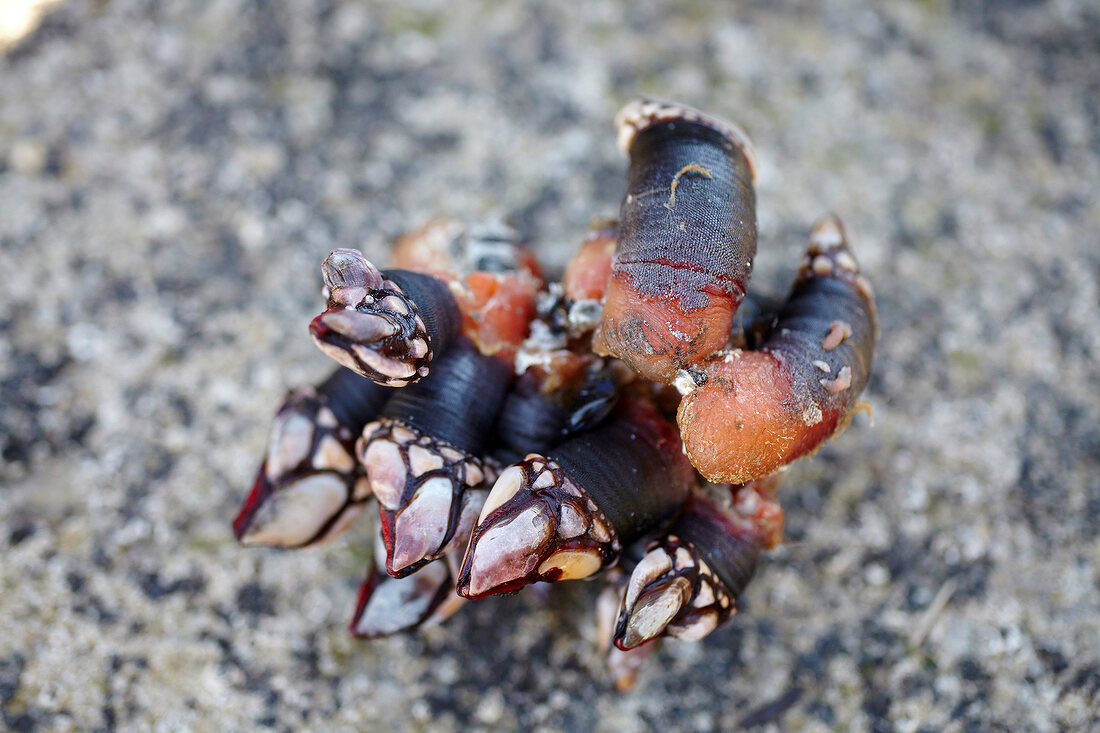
x,y
587,274
755,504
655,337
743,424
497,310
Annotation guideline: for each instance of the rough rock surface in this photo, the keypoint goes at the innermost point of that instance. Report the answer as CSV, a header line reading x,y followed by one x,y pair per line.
x,y
172,173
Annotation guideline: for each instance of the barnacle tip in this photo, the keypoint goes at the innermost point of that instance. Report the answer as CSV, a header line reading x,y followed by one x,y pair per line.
x,y
348,267
828,232
651,612
495,568
507,550
388,606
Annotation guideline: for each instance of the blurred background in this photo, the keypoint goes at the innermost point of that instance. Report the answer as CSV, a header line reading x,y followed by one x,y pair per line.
x,y
172,174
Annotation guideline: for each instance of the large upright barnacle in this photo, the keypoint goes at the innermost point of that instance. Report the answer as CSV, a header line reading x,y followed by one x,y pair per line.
x,y
751,412
310,486
686,241
567,513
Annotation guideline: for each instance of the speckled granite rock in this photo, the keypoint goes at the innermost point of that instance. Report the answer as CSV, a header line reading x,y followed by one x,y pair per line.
x,y
171,174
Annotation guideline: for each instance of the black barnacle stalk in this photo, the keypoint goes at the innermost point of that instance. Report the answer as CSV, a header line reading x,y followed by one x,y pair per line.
x,y
754,320
688,581
424,456
535,420
384,327
389,605
310,486
567,514
530,419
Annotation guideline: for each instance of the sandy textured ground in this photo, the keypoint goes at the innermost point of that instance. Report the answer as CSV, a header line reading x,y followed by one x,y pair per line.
x,y
171,174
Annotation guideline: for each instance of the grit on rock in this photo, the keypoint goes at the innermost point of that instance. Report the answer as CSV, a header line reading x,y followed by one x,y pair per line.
x,y
172,174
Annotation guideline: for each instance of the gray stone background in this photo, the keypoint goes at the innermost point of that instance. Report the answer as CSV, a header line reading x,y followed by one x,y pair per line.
x,y
172,173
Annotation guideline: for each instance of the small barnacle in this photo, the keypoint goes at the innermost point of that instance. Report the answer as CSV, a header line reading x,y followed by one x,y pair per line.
x,y
812,415
684,382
